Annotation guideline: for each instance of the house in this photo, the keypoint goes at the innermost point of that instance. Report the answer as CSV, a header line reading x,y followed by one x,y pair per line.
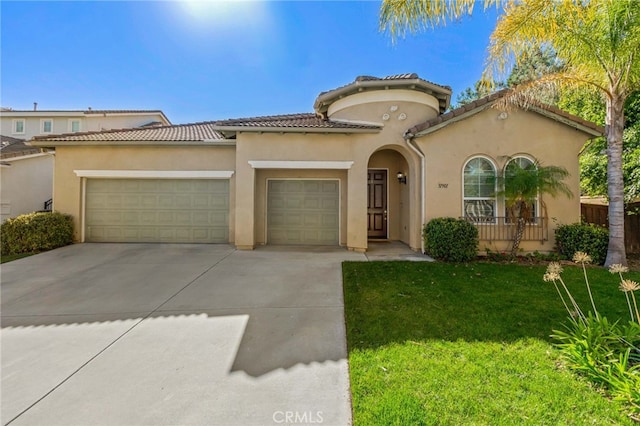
x,y
26,175
377,159
27,172
25,124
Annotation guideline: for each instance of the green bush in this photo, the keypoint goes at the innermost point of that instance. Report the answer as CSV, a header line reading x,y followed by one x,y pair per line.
x,y
450,239
584,237
36,232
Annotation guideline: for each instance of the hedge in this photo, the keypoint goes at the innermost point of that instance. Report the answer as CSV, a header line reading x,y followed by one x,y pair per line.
x,y
36,232
451,239
584,237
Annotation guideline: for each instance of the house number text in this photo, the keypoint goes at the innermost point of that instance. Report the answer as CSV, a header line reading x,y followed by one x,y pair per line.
x,y
443,185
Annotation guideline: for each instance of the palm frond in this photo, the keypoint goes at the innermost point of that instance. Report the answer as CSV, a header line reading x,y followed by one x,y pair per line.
x,y
397,17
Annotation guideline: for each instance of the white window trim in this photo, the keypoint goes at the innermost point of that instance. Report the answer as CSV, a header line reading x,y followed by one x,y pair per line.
x,y
495,197
155,174
14,124
315,165
70,125
42,121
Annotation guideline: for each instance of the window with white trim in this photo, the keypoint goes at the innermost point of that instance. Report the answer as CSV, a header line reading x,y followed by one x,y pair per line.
x,y
479,182
517,164
74,125
46,125
18,127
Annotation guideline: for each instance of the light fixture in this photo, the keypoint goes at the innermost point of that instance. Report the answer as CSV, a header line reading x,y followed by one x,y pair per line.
x,y
402,178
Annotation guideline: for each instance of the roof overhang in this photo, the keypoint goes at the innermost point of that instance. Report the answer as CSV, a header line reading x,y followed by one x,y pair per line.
x,y
229,131
54,143
460,114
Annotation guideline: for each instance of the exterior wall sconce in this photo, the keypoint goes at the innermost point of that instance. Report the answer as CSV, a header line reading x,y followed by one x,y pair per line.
x,y
402,178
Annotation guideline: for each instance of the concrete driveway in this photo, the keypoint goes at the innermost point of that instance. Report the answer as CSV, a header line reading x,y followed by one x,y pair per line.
x,y
153,334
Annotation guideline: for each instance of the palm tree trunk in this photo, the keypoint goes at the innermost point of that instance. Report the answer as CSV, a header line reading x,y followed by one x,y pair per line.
x,y
518,236
614,128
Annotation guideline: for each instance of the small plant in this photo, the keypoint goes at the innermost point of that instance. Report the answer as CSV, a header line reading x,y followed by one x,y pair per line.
x,y
586,238
450,239
606,353
36,232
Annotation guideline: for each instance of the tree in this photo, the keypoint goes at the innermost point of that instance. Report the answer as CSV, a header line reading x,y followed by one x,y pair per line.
x,y
593,161
534,64
480,90
598,42
523,184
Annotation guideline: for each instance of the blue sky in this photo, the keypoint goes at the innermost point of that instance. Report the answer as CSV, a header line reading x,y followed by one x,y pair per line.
x,y
201,61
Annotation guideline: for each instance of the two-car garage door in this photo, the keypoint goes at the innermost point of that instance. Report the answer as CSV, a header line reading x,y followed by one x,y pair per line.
x,y
157,210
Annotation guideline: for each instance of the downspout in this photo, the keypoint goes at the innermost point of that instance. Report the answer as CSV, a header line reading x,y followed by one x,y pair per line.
x,y
408,138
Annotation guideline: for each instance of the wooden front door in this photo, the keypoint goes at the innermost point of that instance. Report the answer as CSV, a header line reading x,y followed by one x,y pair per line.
x,y
377,203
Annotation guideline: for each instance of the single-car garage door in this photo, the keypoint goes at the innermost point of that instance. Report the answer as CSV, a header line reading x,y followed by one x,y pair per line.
x,y
157,210
303,212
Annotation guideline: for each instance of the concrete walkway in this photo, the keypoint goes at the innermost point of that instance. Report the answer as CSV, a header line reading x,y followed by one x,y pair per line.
x,y
394,250
152,334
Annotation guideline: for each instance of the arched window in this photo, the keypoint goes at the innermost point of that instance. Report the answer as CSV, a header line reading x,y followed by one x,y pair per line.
x,y
479,190
520,181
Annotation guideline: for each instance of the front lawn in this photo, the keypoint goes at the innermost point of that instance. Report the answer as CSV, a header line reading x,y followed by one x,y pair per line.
x,y
435,343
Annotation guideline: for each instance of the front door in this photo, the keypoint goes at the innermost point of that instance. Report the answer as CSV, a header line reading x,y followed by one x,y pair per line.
x,y
377,203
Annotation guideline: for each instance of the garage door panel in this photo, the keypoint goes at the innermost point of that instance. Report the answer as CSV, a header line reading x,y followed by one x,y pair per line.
x,y
303,212
146,210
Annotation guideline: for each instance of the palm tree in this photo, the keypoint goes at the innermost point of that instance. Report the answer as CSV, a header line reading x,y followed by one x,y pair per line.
x,y
598,42
523,184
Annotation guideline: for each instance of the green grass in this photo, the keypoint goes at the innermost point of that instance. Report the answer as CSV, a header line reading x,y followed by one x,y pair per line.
x,y
9,257
435,343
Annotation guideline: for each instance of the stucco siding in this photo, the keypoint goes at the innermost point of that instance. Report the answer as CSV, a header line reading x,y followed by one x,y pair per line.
x,y
484,134
26,184
67,197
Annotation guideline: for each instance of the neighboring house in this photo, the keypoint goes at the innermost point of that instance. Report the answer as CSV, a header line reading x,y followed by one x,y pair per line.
x,y
26,177
377,159
25,124
27,172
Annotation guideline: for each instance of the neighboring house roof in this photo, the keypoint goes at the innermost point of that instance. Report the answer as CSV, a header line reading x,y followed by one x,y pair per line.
x,y
14,147
193,132
400,81
9,112
481,104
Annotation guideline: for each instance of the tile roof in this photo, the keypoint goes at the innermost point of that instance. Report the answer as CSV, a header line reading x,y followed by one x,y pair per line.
x,y
398,81
13,147
193,132
485,102
292,121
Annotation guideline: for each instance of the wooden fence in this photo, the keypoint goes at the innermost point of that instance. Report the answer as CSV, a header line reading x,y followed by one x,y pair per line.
x,y
598,214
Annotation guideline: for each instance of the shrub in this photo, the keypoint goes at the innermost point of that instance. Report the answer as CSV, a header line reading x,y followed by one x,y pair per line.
x,y
35,232
450,239
583,237
606,353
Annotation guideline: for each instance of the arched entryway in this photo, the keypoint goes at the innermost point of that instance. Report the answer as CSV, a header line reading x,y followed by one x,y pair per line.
x,y
388,196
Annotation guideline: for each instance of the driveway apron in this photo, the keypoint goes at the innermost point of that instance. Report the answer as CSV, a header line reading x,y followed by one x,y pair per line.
x,y
155,334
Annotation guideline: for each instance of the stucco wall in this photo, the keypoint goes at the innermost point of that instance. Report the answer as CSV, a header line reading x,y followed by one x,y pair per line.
x,y
522,133
26,184
332,147
67,196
